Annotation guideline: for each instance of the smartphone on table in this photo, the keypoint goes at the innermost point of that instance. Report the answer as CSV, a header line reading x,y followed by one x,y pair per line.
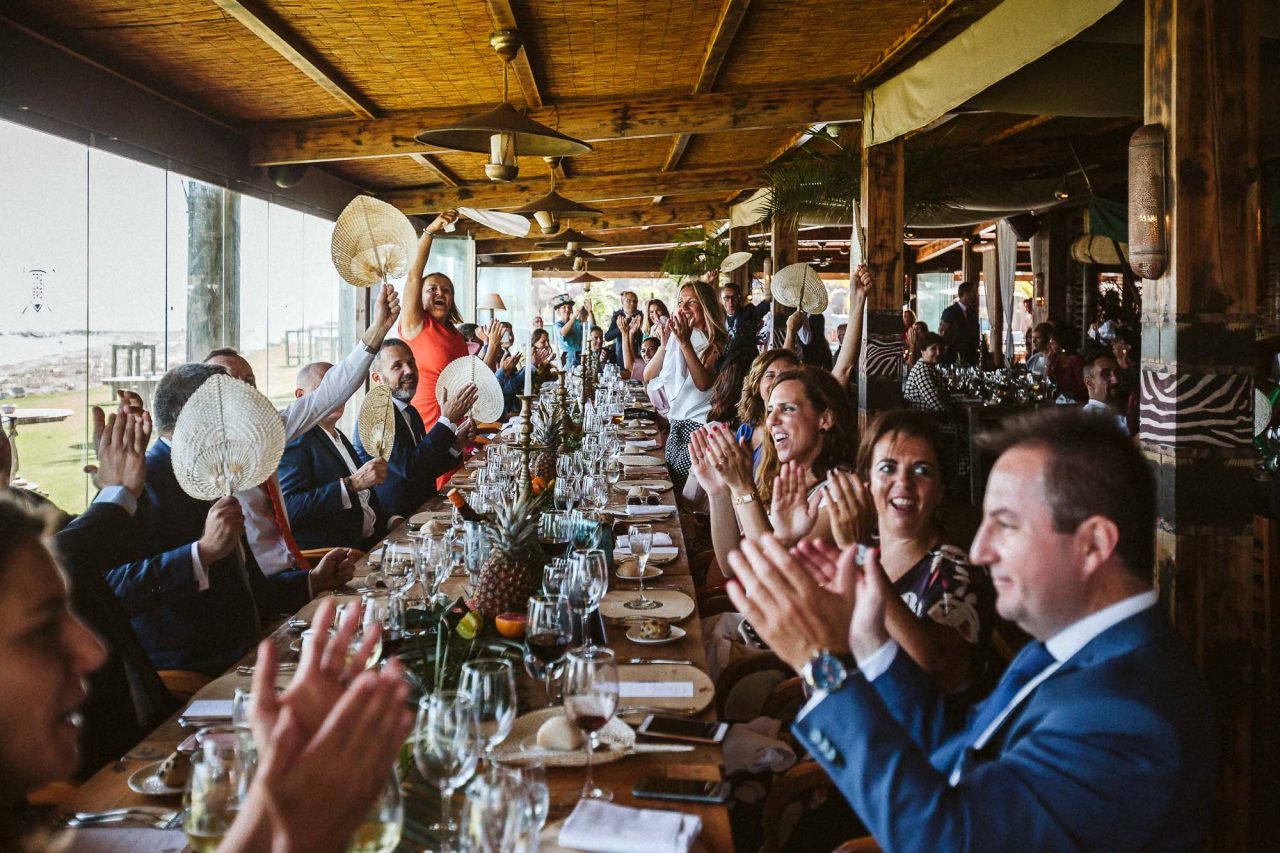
x,y
679,728
686,790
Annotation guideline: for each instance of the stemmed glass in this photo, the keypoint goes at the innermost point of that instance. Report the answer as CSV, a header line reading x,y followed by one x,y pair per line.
x,y
591,698
640,537
548,636
381,828
566,495
212,797
586,584
446,748
491,683
612,470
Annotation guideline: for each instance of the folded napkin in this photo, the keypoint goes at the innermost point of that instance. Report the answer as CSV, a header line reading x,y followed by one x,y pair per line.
x,y
755,747
605,828
644,510
659,538
511,224
657,552
207,711
645,470
641,444
122,839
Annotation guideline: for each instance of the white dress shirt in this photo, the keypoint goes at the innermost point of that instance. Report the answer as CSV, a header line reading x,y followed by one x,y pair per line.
x,y
370,518
1104,409
337,386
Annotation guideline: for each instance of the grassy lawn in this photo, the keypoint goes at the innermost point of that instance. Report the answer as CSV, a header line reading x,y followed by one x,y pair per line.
x,y
52,455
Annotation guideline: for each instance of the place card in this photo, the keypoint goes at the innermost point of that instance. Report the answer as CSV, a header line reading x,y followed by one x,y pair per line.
x,y
655,690
203,711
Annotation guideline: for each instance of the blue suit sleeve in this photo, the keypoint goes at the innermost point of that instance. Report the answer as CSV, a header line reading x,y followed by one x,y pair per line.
x,y
289,592
304,500
155,581
1088,776
432,458
612,334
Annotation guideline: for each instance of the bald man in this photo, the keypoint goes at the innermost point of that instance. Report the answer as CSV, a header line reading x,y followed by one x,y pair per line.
x,y
329,495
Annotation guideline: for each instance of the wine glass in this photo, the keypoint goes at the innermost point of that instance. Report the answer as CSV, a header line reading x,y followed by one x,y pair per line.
x,y
612,470
446,747
586,584
381,828
554,575
501,813
397,564
212,796
640,537
547,637
491,683
566,494
591,698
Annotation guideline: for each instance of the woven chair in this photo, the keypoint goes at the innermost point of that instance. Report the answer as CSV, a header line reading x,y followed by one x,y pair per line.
x,y
747,684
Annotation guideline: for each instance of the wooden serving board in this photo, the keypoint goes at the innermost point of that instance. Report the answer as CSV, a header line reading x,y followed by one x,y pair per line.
x,y
704,690
675,604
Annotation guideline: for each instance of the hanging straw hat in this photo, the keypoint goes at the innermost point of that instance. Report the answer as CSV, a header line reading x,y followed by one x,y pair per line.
x,y
228,438
458,373
377,422
799,286
372,242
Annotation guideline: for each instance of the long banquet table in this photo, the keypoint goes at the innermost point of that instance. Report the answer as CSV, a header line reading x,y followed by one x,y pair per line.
x,y
108,788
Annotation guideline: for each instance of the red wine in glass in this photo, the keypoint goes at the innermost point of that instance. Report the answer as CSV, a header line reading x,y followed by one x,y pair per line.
x,y
548,647
590,722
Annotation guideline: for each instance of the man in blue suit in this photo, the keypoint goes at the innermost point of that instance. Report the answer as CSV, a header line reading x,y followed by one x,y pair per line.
x,y
198,600
418,456
328,493
1099,736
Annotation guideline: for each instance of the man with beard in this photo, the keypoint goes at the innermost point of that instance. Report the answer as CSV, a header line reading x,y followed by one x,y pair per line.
x,y
1102,379
419,455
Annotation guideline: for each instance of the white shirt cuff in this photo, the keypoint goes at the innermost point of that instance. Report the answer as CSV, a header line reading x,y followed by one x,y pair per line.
x,y
878,661
198,569
120,496
346,496
448,424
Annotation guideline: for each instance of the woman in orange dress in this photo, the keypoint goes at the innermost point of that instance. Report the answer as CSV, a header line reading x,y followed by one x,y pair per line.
x,y
428,323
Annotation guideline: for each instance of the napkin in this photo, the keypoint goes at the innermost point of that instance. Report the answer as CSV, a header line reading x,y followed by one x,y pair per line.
x,y
605,828
659,538
208,710
642,510
755,747
641,444
123,839
511,224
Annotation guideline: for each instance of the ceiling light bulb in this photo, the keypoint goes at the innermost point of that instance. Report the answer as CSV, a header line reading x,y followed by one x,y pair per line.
x,y
547,221
502,158
570,248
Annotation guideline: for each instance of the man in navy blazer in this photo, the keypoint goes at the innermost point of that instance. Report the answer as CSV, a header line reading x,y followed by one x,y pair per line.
x,y
329,495
418,456
197,599
1100,734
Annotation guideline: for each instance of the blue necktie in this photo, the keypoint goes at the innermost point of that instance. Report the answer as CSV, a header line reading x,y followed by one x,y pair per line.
x,y
1032,660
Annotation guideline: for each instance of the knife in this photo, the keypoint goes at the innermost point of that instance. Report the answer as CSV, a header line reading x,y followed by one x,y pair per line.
x,y
669,661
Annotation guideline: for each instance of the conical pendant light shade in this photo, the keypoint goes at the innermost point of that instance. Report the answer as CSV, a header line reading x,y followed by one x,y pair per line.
x,y
557,204
532,139
586,278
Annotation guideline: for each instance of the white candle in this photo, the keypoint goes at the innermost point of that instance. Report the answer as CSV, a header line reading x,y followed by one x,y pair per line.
x,y
528,365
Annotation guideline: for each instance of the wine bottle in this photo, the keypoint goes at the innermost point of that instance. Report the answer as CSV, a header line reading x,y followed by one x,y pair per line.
x,y
464,509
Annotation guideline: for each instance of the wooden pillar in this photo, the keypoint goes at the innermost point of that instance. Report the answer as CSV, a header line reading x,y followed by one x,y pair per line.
x,y
880,367
1198,327
742,275
213,269
784,237
970,262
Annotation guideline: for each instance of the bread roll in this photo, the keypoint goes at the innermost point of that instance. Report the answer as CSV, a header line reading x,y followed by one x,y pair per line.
x,y
654,629
559,734
174,770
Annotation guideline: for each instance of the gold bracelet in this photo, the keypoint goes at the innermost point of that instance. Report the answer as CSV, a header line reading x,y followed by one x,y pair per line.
x,y
746,498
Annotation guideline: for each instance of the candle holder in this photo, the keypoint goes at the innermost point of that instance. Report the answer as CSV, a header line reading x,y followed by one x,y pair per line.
x,y
525,446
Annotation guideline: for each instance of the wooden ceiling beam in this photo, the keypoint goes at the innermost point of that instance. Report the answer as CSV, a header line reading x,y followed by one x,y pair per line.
x,y
440,170
926,25
936,248
712,112
1020,127
656,235
585,189
504,18
278,37
635,217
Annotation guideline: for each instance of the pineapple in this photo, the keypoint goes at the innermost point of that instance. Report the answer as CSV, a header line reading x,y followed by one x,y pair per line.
x,y
547,432
512,571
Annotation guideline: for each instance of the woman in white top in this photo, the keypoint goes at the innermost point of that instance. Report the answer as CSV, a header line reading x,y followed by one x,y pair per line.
x,y
684,368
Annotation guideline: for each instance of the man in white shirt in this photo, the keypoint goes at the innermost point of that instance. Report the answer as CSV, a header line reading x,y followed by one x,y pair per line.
x,y
328,493
263,509
1100,734
1101,380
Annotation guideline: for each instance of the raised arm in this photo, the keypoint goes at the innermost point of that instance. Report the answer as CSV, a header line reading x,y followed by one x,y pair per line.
x,y
859,287
414,316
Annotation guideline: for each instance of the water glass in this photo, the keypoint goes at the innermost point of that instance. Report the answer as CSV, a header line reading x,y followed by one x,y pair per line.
x,y
491,684
640,537
500,814
591,698
554,575
381,828
213,793
474,549
446,748
586,583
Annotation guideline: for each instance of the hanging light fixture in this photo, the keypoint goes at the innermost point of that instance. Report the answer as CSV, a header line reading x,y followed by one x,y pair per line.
x,y
503,133
570,240
550,210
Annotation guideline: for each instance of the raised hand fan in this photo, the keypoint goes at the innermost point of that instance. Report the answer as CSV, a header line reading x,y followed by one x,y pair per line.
x,y
733,261
372,242
461,371
798,286
228,438
377,422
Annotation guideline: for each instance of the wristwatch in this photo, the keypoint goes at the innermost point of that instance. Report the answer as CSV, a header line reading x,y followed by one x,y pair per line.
x,y
826,670
744,498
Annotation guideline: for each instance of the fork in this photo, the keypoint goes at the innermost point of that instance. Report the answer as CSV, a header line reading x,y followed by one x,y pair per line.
x,y
152,817
652,709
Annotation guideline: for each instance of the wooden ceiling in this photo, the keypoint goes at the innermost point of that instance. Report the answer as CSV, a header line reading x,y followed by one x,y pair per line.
x,y
684,102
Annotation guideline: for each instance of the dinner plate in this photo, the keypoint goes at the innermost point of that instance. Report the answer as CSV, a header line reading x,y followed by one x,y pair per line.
x,y
704,689
615,741
638,432
643,511
627,568
636,460
633,634
659,555
674,605
423,518
652,485
145,781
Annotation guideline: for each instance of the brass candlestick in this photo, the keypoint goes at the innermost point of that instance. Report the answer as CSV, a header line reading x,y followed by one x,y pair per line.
x,y
524,445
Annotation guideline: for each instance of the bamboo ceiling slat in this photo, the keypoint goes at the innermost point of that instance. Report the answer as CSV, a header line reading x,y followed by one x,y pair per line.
x,y
194,48
621,155
744,146
615,48
405,56
384,173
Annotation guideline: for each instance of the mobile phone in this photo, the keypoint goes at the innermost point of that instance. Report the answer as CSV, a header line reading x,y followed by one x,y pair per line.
x,y
678,728
689,790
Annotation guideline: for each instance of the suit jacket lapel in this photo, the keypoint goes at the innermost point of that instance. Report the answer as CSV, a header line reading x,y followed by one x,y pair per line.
x,y
322,438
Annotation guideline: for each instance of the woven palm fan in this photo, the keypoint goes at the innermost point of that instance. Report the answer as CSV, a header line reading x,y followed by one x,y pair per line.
x,y
377,422
1261,412
372,242
228,438
461,371
733,261
798,286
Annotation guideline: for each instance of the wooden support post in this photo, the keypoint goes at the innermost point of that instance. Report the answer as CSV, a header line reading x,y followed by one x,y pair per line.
x,y
970,262
742,275
880,366
784,236
1202,84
